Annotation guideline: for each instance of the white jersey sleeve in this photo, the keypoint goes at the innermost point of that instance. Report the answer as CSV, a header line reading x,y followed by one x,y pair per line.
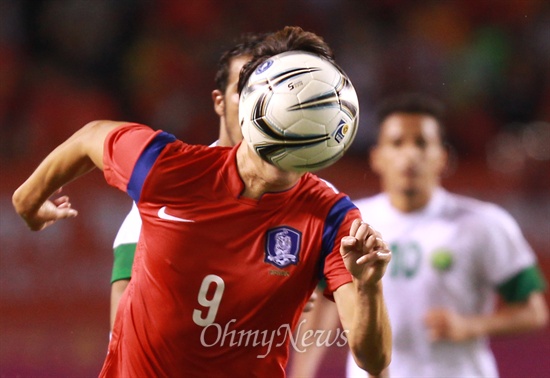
x,y
129,230
503,250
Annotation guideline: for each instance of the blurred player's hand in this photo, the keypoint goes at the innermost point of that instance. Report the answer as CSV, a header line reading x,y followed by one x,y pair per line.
x,y
365,254
50,212
443,324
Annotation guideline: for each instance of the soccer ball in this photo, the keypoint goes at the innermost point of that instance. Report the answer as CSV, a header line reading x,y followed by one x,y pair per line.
x,y
299,112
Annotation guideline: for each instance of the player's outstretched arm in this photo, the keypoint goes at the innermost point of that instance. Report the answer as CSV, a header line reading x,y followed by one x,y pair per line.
x,y
361,303
78,155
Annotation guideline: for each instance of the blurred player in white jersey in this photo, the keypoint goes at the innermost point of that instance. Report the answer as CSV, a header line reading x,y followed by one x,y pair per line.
x,y
451,255
226,105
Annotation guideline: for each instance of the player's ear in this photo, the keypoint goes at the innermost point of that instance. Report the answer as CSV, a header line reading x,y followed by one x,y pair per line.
x,y
219,103
448,161
444,158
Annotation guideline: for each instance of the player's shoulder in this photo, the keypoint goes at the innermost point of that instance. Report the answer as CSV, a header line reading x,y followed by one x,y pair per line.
x,y
322,194
481,212
182,166
467,204
200,156
133,134
319,185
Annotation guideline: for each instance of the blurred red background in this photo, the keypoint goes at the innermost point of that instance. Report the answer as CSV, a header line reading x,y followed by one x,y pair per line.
x,y
64,63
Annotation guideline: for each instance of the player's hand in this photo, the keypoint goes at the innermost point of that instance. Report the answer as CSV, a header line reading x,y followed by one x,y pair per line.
x,y
50,212
365,254
443,324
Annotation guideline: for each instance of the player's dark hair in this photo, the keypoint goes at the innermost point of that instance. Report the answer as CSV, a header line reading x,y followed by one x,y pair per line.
x,y
290,38
413,103
244,45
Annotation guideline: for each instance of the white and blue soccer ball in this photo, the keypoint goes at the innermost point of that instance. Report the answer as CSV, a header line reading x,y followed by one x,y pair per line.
x,y
299,112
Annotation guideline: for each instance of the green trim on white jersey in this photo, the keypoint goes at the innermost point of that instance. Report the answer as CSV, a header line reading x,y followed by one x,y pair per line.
x,y
522,285
123,261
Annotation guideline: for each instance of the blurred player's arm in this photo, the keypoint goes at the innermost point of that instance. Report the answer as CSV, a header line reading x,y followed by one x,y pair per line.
x,y
122,272
522,307
117,289
78,155
307,357
360,303
510,318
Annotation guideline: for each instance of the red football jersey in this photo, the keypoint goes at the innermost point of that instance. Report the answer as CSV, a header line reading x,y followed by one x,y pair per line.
x,y
219,281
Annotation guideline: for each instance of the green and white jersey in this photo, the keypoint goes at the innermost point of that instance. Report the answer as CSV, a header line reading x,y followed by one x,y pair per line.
x,y
124,246
456,253
129,230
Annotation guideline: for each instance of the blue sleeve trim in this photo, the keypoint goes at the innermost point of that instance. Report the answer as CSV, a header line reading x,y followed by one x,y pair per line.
x,y
145,162
333,222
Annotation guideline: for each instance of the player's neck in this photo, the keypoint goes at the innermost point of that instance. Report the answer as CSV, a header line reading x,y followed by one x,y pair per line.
x,y
225,138
408,202
260,177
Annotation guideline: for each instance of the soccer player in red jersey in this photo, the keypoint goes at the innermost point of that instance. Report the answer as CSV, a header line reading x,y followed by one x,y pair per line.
x,y
209,296
226,105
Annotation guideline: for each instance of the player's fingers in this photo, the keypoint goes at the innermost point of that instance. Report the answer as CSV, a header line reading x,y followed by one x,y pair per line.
x,y
58,213
66,213
347,244
61,200
375,233
378,256
63,205
370,243
381,245
374,239
355,226
363,232
383,255
370,231
365,259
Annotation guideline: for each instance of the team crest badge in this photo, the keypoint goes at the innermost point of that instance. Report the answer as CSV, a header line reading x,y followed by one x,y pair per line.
x,y
442,260
283,246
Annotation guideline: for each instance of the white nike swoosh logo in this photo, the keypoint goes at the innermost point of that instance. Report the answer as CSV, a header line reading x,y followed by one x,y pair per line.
x,y
162,215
